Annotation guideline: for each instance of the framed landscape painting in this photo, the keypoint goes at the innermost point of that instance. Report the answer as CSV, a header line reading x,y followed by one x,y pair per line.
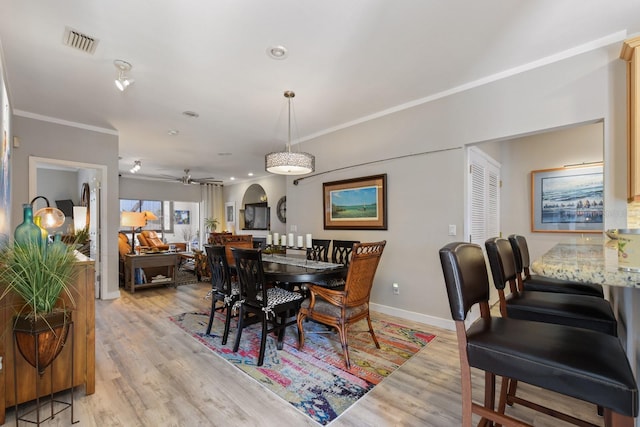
x,y
568,200
358,203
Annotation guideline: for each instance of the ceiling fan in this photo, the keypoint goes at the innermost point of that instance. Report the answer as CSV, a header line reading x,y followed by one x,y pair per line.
x,y
187,179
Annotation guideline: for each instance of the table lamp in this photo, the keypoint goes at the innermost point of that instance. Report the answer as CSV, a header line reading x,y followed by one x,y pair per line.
x,y
133,220
49,217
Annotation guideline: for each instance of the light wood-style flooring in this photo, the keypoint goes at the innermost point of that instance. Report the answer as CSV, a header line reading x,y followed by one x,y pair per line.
x,y
151,373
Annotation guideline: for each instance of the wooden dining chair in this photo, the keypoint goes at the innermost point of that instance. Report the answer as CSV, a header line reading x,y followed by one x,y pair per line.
x,y
342,308
261,303
319,250
576,362
530,282
223,289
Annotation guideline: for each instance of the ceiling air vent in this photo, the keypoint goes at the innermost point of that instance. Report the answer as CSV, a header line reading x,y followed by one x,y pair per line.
x,y
77,40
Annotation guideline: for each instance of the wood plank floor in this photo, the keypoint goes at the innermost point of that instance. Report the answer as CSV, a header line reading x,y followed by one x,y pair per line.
x,y
151,373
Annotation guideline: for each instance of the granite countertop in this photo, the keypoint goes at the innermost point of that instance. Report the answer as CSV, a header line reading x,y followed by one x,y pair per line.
x,y
591,260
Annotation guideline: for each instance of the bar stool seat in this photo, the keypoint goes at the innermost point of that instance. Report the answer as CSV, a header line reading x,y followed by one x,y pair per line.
x,y
577,362
581,311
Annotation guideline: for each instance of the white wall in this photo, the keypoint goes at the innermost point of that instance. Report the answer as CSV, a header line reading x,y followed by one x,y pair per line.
x,y
133,188
61,142
543,151
427,192
274,187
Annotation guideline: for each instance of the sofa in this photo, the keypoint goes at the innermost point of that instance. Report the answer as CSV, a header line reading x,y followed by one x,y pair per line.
x,y
151,240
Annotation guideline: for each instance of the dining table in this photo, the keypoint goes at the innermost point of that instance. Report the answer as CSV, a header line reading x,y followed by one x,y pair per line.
x,y
295,268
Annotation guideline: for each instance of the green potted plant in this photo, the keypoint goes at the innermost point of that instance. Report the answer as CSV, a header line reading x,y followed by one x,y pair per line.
x,y
211,223
37,277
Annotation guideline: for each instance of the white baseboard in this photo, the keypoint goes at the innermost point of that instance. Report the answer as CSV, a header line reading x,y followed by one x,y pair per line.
x,y
111,295
413,316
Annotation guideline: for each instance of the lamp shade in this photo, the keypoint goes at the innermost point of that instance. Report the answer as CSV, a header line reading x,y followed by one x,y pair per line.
x,y
79,217
132,219
150,216
289,163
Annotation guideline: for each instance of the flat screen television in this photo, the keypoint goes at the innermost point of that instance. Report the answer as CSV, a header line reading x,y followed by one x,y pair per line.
x,y
256,216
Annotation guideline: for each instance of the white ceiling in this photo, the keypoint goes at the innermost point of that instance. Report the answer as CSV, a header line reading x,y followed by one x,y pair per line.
x,y
348,60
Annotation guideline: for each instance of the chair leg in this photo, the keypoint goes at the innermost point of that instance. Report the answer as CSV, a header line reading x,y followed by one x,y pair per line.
x,y
212,315
301,318
373,335
263,339
281,327
236,345
613,419
227,323
345,347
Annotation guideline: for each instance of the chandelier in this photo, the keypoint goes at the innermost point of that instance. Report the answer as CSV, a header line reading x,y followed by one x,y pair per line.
x,y
288,162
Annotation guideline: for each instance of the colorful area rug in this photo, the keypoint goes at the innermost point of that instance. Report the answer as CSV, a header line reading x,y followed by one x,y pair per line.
x,y
314,380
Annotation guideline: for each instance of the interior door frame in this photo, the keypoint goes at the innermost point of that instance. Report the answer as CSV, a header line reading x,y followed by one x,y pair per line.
x,y
43,162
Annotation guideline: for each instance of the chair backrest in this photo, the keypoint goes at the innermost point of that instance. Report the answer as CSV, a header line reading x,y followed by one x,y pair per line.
x,y
150,238
250,276
465,276
503,269
362,270
219,267
236,244
319,250
521,253
341,252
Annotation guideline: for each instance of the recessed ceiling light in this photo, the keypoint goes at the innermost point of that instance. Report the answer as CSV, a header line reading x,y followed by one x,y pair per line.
x,y
250,174
233,178
173,132
277,52
191,114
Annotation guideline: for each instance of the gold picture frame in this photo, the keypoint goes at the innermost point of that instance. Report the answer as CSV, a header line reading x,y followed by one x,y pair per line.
x,y
568,200
356,204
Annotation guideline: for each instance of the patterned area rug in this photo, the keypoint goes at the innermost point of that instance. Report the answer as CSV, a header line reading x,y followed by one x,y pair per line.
x,y
314,380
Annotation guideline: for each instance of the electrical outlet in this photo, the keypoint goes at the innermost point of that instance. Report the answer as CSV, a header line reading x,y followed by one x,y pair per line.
x,y
396,289
452,229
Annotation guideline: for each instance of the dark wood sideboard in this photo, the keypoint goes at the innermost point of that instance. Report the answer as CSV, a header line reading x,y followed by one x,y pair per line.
x,y
84,351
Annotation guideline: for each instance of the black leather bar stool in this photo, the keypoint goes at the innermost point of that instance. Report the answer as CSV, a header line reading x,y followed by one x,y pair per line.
x,y
546,284
581,311
576,362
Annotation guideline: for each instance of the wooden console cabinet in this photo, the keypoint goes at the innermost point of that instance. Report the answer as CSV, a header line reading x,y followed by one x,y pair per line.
x,y
631,54
150,260
84,349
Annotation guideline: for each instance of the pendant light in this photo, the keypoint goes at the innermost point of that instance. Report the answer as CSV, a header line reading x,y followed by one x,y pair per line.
x,y
288,162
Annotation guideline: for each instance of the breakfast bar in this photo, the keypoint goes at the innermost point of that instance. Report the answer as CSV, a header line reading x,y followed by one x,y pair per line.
x,y
595,260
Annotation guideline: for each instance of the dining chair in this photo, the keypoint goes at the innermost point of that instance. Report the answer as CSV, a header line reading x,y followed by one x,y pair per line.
x,y
342,308
267,305
530,282
222,288
576,362
341,251
319,250
582,311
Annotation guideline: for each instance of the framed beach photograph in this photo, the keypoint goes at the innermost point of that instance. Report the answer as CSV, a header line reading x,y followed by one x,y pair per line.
x,y
182,217
358,203
230,215
568,200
